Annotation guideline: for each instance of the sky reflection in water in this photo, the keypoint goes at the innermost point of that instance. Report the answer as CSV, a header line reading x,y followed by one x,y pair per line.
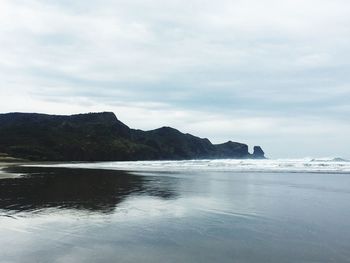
x,y
82,215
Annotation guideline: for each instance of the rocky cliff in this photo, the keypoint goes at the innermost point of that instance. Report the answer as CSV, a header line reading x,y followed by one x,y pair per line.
x,y
102,137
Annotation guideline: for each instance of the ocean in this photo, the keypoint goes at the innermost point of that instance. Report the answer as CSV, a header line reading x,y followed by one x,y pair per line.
x,y
287,210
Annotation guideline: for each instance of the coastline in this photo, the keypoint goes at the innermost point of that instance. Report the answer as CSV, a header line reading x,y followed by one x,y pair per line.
x,y
6,162
5,175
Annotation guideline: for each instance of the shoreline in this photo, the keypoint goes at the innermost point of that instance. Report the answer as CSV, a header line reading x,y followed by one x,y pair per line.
x,y
4,165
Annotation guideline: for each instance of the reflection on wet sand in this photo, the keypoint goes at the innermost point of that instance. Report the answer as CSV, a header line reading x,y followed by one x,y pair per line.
x,y
77,215
82,189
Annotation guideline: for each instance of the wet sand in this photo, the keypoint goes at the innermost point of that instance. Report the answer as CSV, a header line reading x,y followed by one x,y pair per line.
x,y
55,214
4,174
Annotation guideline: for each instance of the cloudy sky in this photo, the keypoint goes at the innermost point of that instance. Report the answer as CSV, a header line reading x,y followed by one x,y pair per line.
x,y
269,72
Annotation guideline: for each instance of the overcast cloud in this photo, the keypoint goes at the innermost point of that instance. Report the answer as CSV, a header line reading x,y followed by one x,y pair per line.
x,y
274,73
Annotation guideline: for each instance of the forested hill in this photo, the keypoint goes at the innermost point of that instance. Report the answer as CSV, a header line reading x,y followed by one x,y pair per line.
x,y
102,137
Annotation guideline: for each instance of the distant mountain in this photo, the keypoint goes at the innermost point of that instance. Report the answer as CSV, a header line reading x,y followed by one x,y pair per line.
x,y
102,137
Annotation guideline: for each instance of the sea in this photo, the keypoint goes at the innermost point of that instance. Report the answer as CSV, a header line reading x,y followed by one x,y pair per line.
x,y
274,211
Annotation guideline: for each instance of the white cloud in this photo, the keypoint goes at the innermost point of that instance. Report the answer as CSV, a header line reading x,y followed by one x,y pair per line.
x,y
238,69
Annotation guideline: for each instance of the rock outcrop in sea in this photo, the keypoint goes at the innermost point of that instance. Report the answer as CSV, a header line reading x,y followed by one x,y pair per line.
x,y
258,153
102,137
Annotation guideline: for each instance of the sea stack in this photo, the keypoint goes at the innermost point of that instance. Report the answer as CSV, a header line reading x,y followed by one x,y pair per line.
x,y
258,153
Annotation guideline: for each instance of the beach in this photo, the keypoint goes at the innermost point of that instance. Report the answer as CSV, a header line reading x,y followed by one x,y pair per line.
x,y
186,211
3,166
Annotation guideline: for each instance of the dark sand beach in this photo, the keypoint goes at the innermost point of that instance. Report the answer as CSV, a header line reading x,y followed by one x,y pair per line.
x,y
58,214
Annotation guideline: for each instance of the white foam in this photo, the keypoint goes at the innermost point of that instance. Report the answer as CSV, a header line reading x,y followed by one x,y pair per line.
x,y
327,165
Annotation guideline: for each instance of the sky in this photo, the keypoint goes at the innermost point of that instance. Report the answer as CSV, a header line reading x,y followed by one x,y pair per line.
x,y
273,73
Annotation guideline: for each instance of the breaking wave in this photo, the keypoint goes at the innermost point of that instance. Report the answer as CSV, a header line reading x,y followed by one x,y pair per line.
x,y
322,165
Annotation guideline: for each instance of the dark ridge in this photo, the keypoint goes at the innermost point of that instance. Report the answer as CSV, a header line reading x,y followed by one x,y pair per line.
x,y
102,137
232,149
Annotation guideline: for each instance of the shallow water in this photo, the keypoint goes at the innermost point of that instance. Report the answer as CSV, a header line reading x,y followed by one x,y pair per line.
x,y
56,214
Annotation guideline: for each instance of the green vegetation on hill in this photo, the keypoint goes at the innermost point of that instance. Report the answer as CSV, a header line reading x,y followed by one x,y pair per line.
x,y
102,137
